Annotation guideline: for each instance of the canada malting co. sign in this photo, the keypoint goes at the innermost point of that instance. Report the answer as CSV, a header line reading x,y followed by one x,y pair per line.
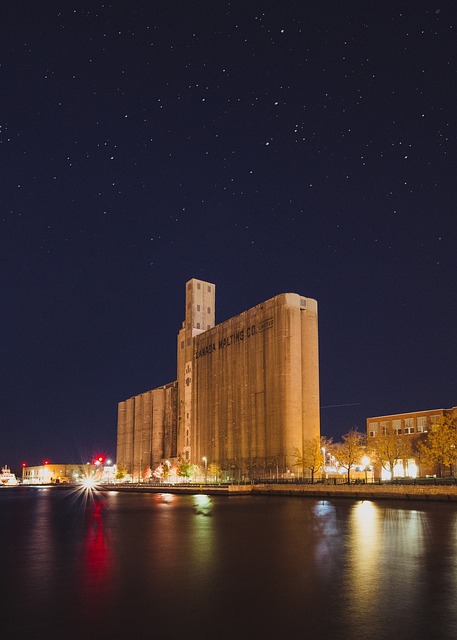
x,y
238,336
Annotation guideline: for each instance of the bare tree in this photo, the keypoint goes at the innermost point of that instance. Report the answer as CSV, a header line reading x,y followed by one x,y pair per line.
x,y
121,472
439,447
312,456
349,452
214,471
388,448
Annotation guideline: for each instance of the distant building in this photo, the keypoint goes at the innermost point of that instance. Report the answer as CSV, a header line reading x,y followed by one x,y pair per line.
x,y
57,473
411,425
246,394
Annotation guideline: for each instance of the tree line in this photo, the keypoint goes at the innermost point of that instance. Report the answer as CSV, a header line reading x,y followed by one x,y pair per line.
x,y
434,451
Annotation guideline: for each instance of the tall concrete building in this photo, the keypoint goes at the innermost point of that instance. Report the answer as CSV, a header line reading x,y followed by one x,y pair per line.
x,y
246,395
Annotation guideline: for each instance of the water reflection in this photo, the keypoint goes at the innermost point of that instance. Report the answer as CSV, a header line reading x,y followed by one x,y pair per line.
x,y
163,498
97,554
364,572
98,561
201,545
325,527
203,505
144,564
384,575
365,549
438,573
39,549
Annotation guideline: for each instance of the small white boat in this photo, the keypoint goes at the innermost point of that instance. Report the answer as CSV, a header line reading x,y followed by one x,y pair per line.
x,y
7,479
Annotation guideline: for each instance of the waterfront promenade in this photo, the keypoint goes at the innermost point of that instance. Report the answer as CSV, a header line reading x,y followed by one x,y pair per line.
x,y
322,491
363,491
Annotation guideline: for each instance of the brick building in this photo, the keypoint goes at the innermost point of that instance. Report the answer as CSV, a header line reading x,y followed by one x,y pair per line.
x,y
411,425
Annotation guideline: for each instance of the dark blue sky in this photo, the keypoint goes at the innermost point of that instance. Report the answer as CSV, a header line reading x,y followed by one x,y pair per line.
x,y
267,147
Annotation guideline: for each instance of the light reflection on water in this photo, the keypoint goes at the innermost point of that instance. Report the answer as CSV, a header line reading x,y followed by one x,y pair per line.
x,y
382,571
98,561
227,566
38,550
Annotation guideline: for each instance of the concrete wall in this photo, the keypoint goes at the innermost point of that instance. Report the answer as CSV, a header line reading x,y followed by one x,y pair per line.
x,y
256,387
147,429
246,396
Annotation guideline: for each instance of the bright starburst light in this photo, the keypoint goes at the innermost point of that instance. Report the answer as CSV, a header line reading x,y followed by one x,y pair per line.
x,y
87,491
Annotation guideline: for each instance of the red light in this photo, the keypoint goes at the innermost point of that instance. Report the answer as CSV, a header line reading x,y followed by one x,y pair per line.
x,y
24,464
45,461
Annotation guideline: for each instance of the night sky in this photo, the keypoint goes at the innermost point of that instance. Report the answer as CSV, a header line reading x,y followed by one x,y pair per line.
x,y
266,147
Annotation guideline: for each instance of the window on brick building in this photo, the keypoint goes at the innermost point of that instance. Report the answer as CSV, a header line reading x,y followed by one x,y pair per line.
x,y
373,429
421,424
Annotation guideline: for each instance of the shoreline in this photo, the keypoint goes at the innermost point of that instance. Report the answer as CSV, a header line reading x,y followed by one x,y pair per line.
x,y
354,492
367,492
406,493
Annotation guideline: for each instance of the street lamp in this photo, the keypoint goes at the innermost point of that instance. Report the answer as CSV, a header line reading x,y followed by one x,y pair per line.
x,y
205,462
366,462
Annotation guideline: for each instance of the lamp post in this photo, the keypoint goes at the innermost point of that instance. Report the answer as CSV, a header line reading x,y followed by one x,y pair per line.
x,y
366,461
205,462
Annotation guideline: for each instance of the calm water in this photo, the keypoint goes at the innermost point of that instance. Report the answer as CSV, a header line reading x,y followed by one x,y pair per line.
x,y
150,566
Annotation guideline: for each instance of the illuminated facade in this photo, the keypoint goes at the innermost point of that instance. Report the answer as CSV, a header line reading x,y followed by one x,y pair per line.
x,y
56,473
411,426
246,395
